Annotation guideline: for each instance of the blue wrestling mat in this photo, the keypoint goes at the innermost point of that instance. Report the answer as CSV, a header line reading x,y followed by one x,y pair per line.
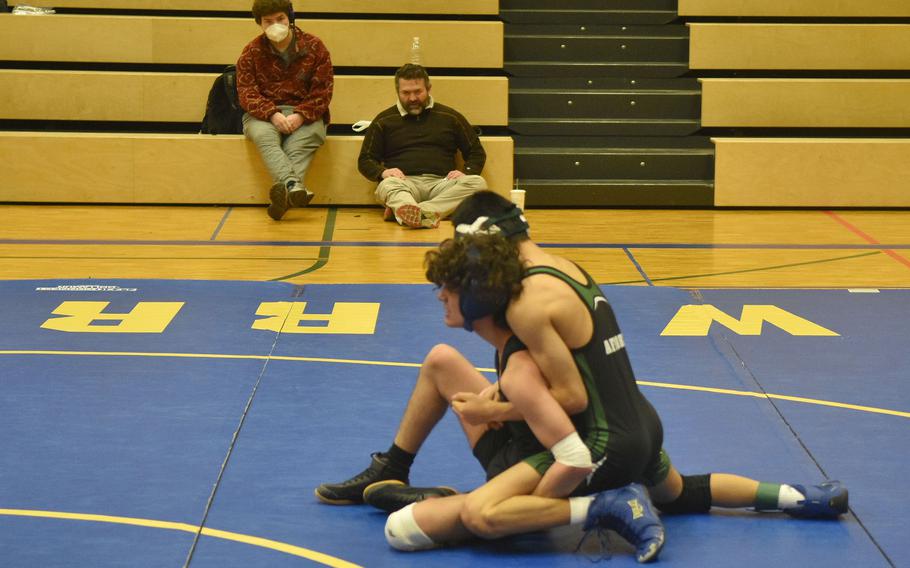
x,y
186,423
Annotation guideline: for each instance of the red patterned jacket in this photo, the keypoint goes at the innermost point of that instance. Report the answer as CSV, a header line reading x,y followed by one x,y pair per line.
x,y
265,81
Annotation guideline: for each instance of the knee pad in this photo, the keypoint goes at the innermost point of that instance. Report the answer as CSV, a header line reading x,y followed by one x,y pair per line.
x,y
695,496
403,533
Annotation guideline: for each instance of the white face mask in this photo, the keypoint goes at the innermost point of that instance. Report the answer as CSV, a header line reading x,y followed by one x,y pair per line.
x,y
277,32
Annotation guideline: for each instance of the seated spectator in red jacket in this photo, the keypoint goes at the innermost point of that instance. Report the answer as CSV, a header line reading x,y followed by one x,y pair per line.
x,y
285,82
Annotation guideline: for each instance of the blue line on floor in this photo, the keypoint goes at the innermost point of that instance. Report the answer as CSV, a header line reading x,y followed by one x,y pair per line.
x,y
638,266
220,226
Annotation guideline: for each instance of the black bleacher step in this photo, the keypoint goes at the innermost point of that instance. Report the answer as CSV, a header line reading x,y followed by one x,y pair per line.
x,y
609,83
623,142
556,29
591,4
604,103
626,163
593,17
596,48
617,193
588,69
603,127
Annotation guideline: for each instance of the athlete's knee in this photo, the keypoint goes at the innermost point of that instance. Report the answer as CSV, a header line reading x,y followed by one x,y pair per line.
x,y
403,533
479,517
441,357
695,496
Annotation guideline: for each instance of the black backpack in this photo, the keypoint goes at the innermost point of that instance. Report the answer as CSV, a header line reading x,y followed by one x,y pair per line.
x,y
223,114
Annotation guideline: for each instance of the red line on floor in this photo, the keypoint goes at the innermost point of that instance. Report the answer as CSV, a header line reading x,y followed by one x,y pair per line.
x,y
868,238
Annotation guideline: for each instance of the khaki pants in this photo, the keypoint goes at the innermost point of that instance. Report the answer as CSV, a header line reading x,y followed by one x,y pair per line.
x,y
429,192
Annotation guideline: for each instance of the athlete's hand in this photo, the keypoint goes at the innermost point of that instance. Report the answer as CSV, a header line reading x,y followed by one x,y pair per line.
x,y
477,408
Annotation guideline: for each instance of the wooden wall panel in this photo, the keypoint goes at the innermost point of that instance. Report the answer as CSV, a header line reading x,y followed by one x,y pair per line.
x,y
457,7
791,8
181,97
184,40
168,168
806,103
799,46
803,172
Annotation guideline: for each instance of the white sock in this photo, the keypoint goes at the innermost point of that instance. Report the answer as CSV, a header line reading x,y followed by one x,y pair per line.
x,y
788,497
578,509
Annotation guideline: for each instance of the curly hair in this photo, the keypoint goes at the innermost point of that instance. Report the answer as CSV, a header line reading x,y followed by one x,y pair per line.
x,y
268,7
485,266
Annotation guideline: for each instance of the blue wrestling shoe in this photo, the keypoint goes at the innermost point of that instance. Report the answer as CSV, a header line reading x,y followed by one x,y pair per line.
x,y
826,501
629,512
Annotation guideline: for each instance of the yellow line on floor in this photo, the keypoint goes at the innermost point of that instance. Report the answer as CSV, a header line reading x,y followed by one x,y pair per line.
x,y
780,397
168,525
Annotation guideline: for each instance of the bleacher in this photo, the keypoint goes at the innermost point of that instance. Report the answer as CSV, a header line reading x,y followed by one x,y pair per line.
x,y
809,99
804,102
105,105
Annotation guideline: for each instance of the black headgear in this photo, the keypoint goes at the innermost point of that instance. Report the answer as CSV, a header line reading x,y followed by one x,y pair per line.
x,y
510,223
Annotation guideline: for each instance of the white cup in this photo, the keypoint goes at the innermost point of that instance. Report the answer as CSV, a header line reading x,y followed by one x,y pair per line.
x,y
518,198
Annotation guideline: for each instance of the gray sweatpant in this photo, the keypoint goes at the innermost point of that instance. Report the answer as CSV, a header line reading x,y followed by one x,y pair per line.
x,y
286,156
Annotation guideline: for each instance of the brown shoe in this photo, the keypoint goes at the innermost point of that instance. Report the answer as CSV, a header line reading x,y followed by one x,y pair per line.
x,y
278,201
300,197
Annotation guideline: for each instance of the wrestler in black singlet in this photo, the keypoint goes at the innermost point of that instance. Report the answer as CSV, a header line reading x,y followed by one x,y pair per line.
x,y
619,425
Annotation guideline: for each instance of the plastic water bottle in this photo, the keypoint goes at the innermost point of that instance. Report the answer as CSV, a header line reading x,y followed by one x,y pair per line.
x,y
416,56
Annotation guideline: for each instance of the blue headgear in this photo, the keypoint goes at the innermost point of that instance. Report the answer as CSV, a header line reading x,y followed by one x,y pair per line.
x,y
473,307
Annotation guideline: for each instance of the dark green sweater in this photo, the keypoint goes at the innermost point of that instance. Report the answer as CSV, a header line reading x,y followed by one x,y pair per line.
x,y
421,144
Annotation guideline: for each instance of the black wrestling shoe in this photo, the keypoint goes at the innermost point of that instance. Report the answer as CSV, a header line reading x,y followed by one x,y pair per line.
x,y
391,495
350,492
278,201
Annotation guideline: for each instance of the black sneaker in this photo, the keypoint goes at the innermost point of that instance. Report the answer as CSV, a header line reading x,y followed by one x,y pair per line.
x,y
391,494
278,201
350,492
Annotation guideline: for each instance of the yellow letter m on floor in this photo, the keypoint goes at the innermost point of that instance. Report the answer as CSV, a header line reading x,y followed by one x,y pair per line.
x,y
696,320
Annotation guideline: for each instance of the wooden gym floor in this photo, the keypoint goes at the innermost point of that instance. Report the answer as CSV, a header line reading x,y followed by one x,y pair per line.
x,y
682,248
